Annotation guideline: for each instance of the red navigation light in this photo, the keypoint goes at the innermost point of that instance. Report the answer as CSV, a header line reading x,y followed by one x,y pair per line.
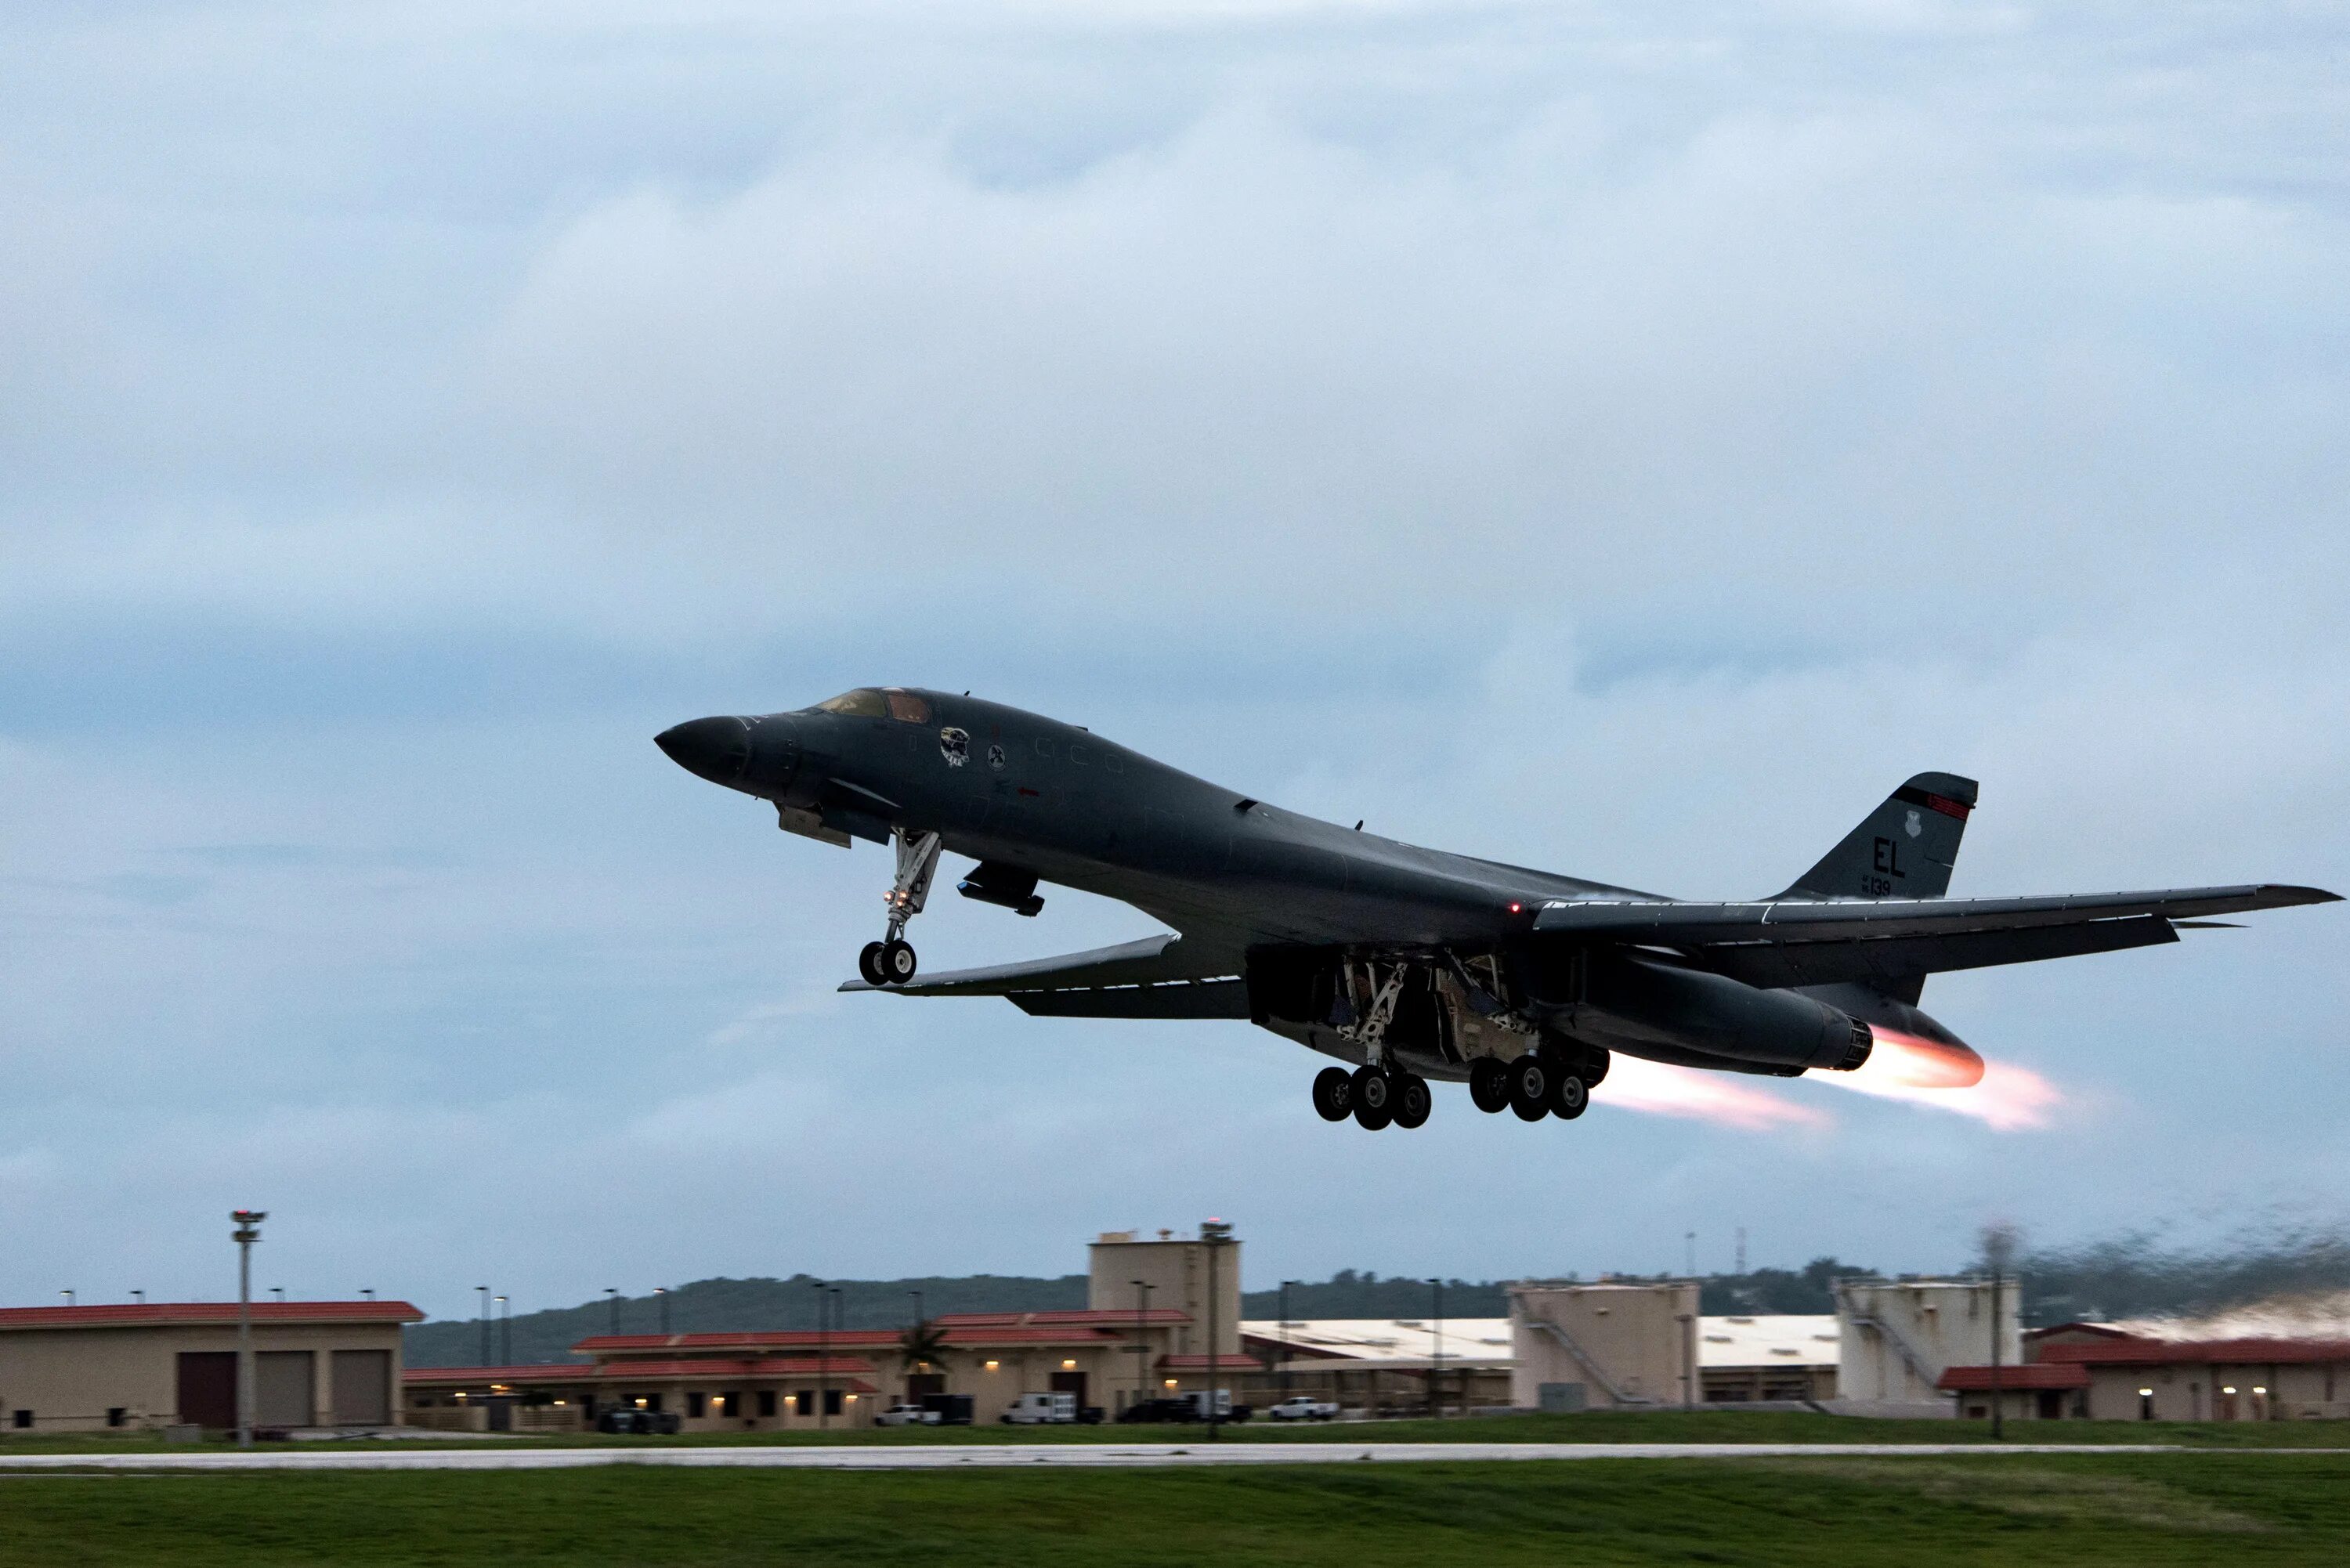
x,y
1515,906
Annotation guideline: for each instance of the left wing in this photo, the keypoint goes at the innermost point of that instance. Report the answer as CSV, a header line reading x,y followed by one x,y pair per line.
x,y
1153,978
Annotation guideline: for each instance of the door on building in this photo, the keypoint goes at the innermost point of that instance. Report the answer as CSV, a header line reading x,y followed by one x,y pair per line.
x,y
1071,1383
2051,1404
361,1384
284,1388
918,1384
208,1387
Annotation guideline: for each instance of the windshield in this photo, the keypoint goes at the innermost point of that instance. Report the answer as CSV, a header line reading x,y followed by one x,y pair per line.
x,y
907,706
864,704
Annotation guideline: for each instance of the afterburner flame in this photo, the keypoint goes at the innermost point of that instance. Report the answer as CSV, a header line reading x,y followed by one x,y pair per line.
x,y
1722,1098
1950,1077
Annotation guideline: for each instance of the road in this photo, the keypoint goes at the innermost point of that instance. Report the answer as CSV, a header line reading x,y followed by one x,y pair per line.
x,y
960,1456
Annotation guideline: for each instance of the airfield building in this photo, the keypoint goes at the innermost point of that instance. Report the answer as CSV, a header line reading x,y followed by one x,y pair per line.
x,y
173,1364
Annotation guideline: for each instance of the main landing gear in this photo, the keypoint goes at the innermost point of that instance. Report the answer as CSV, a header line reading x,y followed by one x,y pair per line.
x,y
1375,1096
890,961
1537,1085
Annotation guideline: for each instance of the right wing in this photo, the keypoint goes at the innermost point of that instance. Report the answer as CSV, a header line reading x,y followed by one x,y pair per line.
x,y
1152,978
1805,941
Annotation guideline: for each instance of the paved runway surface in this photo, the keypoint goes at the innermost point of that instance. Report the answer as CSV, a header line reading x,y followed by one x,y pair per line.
x,y
957,1456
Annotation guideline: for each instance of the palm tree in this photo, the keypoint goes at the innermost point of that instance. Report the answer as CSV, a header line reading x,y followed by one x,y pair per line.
x,y
922,1344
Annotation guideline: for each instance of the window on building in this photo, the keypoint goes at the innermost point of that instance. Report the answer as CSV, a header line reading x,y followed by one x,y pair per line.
x,y
695,1404
832,1401
766,1402
22,1419
804,1402
729,1406
116,1415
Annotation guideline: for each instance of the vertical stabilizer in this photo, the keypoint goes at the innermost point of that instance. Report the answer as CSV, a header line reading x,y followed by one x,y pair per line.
x,y
1903,849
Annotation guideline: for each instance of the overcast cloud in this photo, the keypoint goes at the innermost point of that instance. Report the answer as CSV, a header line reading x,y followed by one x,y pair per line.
x,y
1622,437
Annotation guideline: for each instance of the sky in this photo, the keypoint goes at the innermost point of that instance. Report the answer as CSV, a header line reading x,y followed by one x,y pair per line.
x,y
1626,439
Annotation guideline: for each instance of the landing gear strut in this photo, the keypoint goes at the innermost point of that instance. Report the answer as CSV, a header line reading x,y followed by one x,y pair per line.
x,y
890,961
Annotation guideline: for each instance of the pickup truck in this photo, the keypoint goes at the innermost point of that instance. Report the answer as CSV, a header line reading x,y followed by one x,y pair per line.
x,y
1300,1408
904,1415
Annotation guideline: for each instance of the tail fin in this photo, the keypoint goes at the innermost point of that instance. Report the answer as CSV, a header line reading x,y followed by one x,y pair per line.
x,y
1903,849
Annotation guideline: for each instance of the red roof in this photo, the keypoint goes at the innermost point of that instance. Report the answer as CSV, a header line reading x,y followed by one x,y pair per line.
x,y
968,1331
166,1314
837,1366
1236,1361
2139,1352
2031,1374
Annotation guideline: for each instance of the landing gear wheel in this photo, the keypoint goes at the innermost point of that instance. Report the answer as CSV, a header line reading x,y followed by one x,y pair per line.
x,y
1333,1094
1489,1085
897,960
868,964
1375,1098
1530,1078
1568,1098
1413,1102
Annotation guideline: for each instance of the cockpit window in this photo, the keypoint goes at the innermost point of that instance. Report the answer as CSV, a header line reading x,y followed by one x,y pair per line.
x,y
907,706
864,702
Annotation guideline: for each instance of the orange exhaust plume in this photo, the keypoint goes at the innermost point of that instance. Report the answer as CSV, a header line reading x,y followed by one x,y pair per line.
x,y
1722,1099
1950,1077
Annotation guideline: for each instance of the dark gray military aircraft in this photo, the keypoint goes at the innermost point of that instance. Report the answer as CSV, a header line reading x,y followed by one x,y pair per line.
x,y
1411,963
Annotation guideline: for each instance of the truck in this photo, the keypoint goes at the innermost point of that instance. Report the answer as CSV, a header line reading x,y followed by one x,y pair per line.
x,y
1300,1408
1041,1410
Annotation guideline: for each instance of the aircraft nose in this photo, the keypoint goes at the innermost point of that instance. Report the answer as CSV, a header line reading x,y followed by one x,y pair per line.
x,y
718,749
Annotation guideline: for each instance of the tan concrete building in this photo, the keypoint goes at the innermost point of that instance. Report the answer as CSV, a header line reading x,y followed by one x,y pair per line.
x,y
1604,1346
1129,1272
162,1364
1900,1337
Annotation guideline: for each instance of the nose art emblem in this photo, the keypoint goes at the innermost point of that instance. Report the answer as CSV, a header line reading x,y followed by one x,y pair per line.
x,y
954,745
995,757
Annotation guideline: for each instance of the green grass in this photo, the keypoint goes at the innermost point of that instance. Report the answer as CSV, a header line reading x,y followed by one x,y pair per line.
x,y
1595,1427
2074,1508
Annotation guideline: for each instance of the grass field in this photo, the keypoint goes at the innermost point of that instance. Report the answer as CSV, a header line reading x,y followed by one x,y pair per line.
x,y
1594,1426
2074,1508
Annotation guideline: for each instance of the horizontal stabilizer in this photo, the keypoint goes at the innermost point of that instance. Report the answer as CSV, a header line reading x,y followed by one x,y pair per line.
x,y
1670,924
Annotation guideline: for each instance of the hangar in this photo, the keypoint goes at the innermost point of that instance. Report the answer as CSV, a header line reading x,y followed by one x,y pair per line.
x,y
153,1364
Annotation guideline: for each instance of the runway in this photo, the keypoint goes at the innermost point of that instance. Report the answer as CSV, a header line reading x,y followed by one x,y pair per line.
x,y
981,1456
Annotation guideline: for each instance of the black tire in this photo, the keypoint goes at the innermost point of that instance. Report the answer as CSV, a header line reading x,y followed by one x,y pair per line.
x,y
898,962
1413,1102
868,964
1333,1094
1489,1085
1375,1098
1529,1080
1569,1097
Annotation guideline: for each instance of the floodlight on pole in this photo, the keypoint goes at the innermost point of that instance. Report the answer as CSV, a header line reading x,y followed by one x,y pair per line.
x,y
247,1232
1217,1234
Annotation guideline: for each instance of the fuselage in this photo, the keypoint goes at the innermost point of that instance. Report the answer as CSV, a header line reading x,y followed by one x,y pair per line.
x,y
1004,785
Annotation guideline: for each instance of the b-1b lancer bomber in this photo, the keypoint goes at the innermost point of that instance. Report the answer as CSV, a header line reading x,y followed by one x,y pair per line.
x,y
1410,965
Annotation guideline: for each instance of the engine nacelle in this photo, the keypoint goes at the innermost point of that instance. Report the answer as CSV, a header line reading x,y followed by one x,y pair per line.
x,y
1633,1002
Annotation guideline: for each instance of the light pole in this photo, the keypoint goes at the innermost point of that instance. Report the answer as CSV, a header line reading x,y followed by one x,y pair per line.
x,y
247,1232
1216,1233
1284,1338
367,1292
1436,1365
1141,1338
505,1330
484,1290
823,1357
1999,1248
612,1296
918,1319
279,1291
660,1294
69,1295
139,1296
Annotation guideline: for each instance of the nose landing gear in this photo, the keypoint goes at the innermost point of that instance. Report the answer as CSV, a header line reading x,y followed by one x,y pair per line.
x,y
892,961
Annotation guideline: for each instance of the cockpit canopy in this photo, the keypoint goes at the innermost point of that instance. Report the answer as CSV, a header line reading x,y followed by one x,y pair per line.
x,y
880,702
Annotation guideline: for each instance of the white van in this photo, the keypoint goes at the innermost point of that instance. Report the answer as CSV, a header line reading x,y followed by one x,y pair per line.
x,y
1041,1410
